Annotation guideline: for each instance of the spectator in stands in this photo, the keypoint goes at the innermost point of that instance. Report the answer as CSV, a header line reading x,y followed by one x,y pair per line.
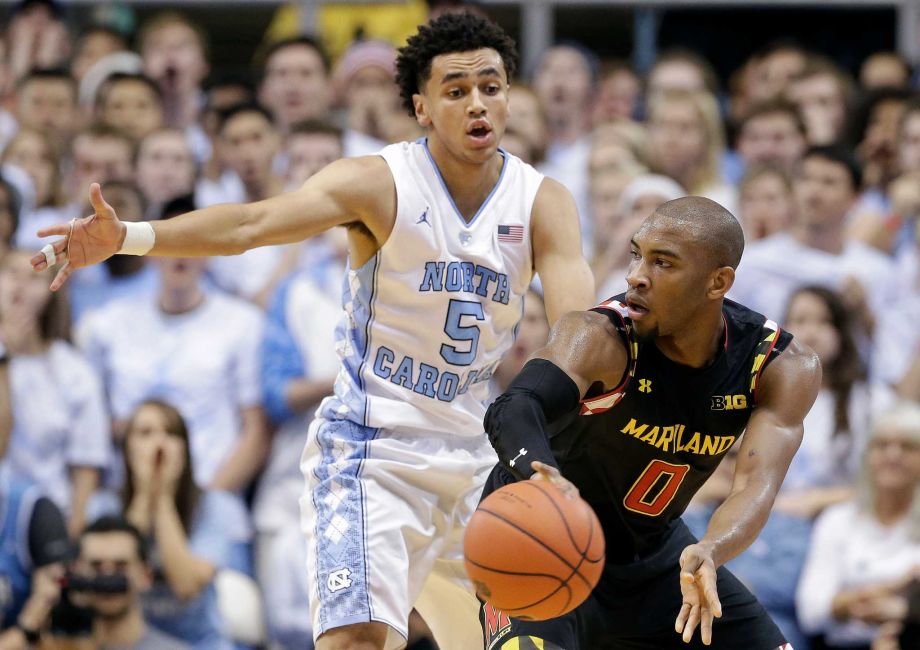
x,y
61,434
111,549
822,92
884,70
33,548
683,70
93,45
216,183
46,100
299,365
34,153
364,81
100,154
124,276
36,37
637,201
814,250
909,138
165,169
564,82
773,68
825,468
528,120
686,142
772,133
9,216
132,103
618,93
875,130
194,532
195,348
295,82
766,204
310,146
175,54
865,552
248,144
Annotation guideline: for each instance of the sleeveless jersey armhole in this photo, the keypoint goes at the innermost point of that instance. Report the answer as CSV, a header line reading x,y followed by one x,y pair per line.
x,y
773,342
614,311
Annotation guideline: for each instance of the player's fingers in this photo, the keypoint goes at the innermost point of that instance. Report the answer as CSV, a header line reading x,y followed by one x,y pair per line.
x,y
99,205
682,618
707,578
62,277
62,229
551,474
706,625
692,621
56,254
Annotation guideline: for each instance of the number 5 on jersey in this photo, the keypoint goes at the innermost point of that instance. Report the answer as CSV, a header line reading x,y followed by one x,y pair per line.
x,y
460,332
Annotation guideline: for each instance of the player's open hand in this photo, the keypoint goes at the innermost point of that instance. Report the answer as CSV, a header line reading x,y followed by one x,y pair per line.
x,y
549,473
701,603
86,241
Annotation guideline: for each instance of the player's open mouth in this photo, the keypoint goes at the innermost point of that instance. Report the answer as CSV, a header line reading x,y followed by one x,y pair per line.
x,y
480,133
635,309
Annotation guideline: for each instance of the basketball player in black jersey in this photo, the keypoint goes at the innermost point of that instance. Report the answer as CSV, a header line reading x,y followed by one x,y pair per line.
x,y
633,404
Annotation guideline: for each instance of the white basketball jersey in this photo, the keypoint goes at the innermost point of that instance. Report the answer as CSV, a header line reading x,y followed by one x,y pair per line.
x,y
428,318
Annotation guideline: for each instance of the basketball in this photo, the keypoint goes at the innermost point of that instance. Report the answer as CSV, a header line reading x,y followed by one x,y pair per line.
x,y
533,553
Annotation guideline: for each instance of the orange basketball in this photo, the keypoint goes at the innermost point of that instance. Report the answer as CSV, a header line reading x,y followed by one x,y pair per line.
x,y
531,552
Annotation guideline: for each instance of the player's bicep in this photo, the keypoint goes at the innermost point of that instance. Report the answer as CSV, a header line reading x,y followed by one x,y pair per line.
x,y
587,347
348,191
786,393
568,284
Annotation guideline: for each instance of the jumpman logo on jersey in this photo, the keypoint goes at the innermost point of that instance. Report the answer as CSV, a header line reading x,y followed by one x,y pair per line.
x,y
645,385
424,218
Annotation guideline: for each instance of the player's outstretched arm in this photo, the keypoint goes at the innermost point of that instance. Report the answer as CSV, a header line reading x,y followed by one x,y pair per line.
x,y
786,392
348,191
568,284
584,348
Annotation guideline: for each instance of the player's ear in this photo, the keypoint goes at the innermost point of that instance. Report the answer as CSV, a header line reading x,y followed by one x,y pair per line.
x,y
720,281
421,110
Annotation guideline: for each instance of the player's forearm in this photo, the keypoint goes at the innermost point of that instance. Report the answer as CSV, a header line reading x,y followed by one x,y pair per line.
x,y
224,229
738,521
516,421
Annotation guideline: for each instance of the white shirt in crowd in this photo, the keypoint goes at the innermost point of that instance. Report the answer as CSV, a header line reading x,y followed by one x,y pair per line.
x,y
849,550
204,362
829,459
773,268
568,164
59,419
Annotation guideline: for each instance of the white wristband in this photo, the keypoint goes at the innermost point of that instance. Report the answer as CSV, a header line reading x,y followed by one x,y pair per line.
x,y
139,238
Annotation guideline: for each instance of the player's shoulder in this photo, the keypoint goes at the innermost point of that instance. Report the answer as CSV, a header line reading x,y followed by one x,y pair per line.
x,y
591,327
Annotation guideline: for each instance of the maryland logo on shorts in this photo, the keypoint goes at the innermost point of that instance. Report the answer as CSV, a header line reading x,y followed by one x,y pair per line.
x,y
496,624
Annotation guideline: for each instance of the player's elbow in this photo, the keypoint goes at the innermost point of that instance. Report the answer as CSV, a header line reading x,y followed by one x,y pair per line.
x,y
248,232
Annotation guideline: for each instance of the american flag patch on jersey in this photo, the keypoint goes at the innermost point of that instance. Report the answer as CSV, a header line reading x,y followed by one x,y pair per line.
x,y
513,234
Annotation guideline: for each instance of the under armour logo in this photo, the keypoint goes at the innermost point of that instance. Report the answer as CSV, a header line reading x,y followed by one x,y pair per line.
x,y
523,452
645,385
424,218
338,580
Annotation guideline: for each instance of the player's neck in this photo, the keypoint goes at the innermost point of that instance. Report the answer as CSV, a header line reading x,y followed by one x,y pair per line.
x,y
180,301
824,238
469,184
697,345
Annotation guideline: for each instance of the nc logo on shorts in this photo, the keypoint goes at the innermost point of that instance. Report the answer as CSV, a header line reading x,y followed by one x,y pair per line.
x,y
338,580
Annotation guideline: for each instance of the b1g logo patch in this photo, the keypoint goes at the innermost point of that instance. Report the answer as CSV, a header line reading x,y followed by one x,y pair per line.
x,y
729,402
496,624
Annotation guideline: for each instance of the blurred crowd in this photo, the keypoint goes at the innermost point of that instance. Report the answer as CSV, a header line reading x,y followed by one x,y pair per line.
x,y
152,416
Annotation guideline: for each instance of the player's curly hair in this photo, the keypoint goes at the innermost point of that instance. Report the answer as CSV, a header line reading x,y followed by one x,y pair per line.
x,y
451,32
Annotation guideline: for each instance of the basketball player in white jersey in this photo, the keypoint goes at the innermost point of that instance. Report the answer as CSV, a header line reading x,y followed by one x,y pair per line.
x,y
444,236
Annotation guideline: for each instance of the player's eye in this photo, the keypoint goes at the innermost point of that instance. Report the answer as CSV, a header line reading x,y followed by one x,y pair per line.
x,y
454,93
492,89
665,264
634,254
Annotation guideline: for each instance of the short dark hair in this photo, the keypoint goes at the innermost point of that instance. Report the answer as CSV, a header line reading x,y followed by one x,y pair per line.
x,y
117,77
861,115
837,153
233,78
238,109
316,127
117,524
772,107
303,40
48,74
710,224
451,32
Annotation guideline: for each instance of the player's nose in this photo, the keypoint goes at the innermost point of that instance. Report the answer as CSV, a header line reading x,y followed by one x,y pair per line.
x,y
635,276
476,105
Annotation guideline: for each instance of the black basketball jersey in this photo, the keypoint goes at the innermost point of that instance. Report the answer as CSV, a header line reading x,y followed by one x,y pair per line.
x,y
641,451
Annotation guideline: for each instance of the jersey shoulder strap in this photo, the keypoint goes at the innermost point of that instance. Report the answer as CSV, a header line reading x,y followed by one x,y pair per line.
x,y
773,341
616,313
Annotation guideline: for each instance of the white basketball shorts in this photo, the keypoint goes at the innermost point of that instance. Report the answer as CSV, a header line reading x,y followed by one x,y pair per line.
x,y
384,513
